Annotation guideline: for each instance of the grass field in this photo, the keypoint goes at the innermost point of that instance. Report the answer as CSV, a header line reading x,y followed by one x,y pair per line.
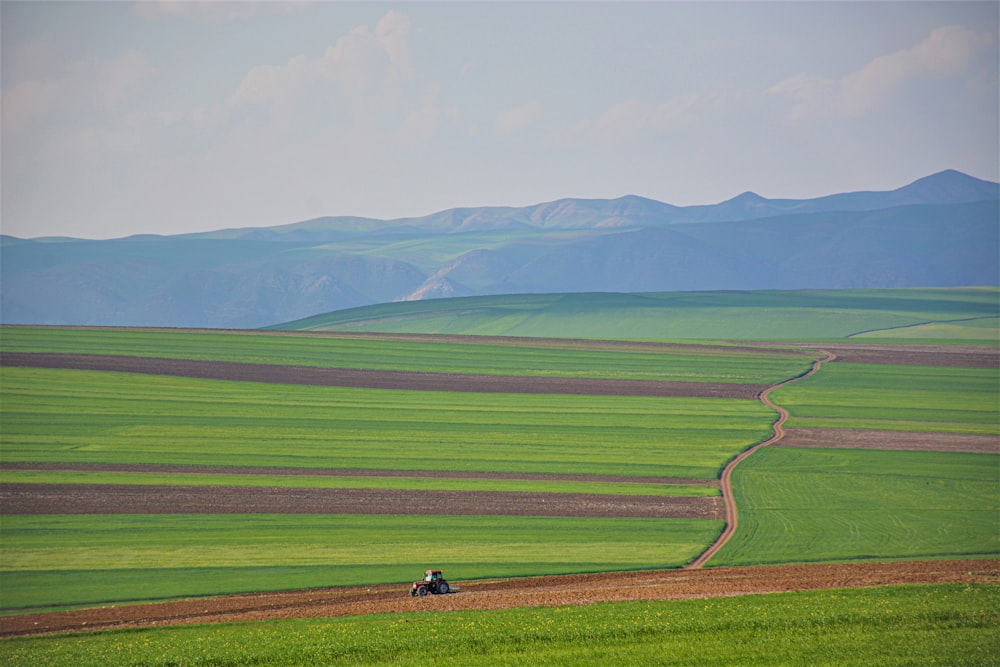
x,y
813,505
761,315
128,418
93,559
905,398
912,625
531,358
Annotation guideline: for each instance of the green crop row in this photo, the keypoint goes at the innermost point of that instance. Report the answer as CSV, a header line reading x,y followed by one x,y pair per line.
x,y
85,416
548,358
908,398
355,482
89,559
933,625
812,505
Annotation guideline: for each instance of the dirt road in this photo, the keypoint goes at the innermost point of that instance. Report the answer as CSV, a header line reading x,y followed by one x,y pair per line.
x,y
726,483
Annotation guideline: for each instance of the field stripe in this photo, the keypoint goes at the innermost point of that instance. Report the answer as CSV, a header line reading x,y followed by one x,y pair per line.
x,y
349,472
848,438
379,379
31,499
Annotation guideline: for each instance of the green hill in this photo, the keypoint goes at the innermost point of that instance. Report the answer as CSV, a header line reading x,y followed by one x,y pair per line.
x,y
964,313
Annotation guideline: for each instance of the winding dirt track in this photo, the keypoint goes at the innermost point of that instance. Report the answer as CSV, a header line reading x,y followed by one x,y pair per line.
x,y
726,483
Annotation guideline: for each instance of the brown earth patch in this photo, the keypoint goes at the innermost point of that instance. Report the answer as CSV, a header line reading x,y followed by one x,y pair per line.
x,y
349,472
379,379
968,356
508,593
845,438
169,499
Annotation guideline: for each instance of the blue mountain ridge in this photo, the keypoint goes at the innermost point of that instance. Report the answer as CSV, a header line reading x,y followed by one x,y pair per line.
x,y
941,230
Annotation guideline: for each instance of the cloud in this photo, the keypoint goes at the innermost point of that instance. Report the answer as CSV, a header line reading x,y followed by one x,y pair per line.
x,y
514,120
104,85
213,11
360,68
947,52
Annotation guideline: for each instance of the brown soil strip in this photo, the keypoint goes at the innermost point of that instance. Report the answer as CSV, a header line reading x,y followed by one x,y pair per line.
x,y
508,593
350,472
732,517
845,438
968,356
379,379
169,499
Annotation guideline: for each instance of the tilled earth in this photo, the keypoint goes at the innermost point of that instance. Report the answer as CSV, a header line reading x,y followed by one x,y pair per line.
x,y
508,593
847,438
180,499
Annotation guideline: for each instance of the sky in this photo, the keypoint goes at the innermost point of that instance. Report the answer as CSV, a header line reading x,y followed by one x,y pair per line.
x,y
123,118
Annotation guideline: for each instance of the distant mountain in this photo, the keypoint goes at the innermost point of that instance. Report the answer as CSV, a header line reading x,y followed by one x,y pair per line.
x,y
942,230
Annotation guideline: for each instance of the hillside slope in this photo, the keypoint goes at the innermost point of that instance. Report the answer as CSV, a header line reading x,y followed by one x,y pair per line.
x,y
970,313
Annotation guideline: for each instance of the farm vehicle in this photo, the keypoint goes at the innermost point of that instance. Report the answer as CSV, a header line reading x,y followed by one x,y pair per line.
x,y
433,582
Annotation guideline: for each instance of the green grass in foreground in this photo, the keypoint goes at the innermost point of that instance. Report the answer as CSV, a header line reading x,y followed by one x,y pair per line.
x,y
914,625
905,398
90,559
86,416
812,505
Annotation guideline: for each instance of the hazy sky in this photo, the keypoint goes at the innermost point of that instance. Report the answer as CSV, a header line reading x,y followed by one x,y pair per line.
x,y
169,117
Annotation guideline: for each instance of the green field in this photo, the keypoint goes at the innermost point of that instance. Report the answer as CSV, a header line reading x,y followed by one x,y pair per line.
x,y
905,398
796,505
131,418
814,505
512,357
93,559
905,625
757,315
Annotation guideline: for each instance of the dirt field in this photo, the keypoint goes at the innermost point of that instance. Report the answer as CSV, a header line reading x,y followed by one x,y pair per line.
x,y
901,440
153,499
969,356
505,594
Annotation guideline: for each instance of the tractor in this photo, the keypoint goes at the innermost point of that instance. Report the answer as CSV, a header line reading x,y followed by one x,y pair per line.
x,y
432,582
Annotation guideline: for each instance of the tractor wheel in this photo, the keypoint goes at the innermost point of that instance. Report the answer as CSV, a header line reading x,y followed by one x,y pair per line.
x,y
442,587
413,592
422,591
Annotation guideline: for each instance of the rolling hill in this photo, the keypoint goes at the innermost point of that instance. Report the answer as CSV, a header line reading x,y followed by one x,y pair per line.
x,y
961,313
940,231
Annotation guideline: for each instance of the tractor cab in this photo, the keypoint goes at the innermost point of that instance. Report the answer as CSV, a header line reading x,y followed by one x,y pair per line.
x,y
433,582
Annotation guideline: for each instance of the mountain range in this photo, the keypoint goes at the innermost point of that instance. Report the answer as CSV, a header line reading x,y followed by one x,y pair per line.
x,y
939,231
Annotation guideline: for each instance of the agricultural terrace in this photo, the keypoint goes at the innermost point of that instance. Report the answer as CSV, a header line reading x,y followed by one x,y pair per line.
x,y
159,486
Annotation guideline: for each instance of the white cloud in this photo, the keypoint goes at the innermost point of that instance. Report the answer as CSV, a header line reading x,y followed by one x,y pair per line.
x,y
364,68
949,51
104,85
514,120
